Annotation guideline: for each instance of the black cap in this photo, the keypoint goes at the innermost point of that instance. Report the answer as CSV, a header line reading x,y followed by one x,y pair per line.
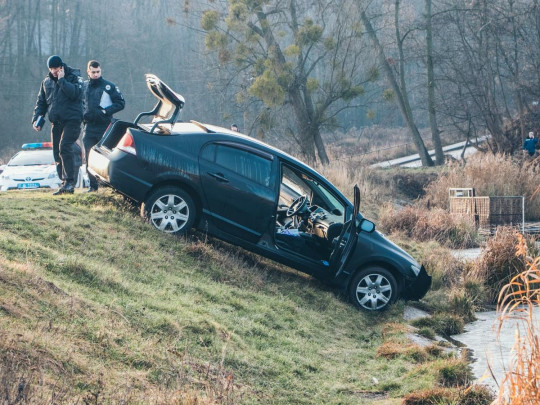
x,y
54,61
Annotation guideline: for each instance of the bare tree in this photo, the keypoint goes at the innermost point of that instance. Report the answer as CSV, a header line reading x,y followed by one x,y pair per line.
x,y
399,89
305,56
485,59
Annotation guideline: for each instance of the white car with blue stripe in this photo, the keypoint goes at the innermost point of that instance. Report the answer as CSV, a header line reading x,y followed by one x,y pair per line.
x,y
33,168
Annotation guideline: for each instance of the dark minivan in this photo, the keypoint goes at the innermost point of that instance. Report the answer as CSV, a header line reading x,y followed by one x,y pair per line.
x,y
189,174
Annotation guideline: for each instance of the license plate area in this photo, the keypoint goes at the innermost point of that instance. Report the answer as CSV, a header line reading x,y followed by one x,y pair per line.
x,y
28,185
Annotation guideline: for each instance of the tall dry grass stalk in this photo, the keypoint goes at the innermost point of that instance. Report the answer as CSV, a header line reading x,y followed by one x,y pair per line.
x,y
344,175
425,225
498,263
490,175
518,300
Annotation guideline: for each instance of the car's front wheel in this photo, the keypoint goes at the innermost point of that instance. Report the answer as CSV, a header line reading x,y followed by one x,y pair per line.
x,y
170,209
373,289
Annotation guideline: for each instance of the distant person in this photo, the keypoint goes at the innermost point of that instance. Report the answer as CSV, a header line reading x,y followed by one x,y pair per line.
x,y
234,127
529,145
102,99
60,95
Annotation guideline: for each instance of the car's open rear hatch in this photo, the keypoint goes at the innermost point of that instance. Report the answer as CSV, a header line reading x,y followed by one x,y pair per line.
x,y
167,108
164,114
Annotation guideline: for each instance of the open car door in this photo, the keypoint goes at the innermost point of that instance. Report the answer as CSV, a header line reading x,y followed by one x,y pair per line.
x,y
346,242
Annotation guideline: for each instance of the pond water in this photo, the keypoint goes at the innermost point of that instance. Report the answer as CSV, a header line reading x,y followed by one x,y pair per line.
x,y
490,349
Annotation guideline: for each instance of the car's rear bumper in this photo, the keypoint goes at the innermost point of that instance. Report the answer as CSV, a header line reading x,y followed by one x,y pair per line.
x,y
418,287
118,170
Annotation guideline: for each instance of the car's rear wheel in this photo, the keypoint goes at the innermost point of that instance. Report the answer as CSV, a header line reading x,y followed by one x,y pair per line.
x,y
373,289
170,209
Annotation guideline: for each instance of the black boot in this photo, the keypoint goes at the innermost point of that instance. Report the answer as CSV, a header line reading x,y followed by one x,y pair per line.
x,y
67,188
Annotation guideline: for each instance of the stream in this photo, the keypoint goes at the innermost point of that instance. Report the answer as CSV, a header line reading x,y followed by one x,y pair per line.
x,y
490,352
487,348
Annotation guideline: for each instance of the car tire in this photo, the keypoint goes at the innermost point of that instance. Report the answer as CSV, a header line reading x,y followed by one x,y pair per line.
x,y
373,289
170,209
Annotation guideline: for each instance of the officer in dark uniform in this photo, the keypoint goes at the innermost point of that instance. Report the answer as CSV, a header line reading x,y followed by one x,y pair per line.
x,y
61,96
101,100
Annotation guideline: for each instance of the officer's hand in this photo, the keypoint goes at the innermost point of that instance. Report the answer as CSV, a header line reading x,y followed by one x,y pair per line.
x,y
61,73
36,128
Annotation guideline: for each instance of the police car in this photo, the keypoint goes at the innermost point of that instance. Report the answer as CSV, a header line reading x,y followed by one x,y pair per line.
x,y
33,168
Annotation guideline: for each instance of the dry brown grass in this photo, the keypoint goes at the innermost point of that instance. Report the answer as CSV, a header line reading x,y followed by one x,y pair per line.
x,y
498,263
425,225
518,299
490,175
377,186
473,395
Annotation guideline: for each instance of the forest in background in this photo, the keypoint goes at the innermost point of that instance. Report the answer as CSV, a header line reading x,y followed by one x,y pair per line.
x,y
288,71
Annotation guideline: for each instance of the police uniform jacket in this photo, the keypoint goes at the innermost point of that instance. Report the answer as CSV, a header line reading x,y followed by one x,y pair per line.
x,y
61,98
101,100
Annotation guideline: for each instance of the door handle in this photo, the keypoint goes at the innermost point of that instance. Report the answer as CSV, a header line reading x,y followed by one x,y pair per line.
x,y
219,177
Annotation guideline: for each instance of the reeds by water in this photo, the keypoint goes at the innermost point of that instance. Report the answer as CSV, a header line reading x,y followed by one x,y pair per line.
x,y
517,300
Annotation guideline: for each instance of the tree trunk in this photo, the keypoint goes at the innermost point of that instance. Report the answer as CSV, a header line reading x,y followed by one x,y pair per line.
x,y
415,134
305,135
309,134
435,134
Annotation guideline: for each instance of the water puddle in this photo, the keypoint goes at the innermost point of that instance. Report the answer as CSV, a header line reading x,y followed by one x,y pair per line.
x,y
489,349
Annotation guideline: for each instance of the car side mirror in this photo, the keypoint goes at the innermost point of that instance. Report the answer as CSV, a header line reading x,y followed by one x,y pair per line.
x,y
367,226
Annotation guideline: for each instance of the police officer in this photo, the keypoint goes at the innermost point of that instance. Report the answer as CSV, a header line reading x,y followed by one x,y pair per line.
x,y
101,100
61,96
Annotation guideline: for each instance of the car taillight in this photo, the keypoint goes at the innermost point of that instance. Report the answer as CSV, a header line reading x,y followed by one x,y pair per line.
x,y
127,145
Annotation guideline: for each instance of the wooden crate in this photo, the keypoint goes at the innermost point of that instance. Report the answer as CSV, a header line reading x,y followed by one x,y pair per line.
x,y
489,212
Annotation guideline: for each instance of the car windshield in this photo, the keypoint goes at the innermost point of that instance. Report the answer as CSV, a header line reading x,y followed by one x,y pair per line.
x,y
32,158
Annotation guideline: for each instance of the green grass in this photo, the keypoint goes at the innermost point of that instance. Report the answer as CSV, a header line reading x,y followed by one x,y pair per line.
x,y
98,307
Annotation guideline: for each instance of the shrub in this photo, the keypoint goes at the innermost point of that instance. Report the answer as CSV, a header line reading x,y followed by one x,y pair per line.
x,y
445,269
476,395
473,395
434,396
426,332
498,262
454,373
462,304
423,224
442,323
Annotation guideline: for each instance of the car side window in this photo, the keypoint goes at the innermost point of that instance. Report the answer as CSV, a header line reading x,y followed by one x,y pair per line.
x,y
242,162
295,184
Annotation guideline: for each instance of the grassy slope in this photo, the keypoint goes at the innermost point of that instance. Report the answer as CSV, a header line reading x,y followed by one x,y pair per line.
x,y
97,305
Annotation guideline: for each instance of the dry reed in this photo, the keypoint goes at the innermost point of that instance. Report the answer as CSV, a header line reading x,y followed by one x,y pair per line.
x,y
517,300
498,263
490,175
425,225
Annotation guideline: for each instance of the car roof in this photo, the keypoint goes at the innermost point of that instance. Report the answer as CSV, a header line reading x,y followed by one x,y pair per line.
x,y
171,99
198,128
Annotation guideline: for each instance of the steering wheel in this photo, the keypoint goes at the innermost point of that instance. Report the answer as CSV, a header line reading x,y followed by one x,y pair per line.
x,y
297,205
